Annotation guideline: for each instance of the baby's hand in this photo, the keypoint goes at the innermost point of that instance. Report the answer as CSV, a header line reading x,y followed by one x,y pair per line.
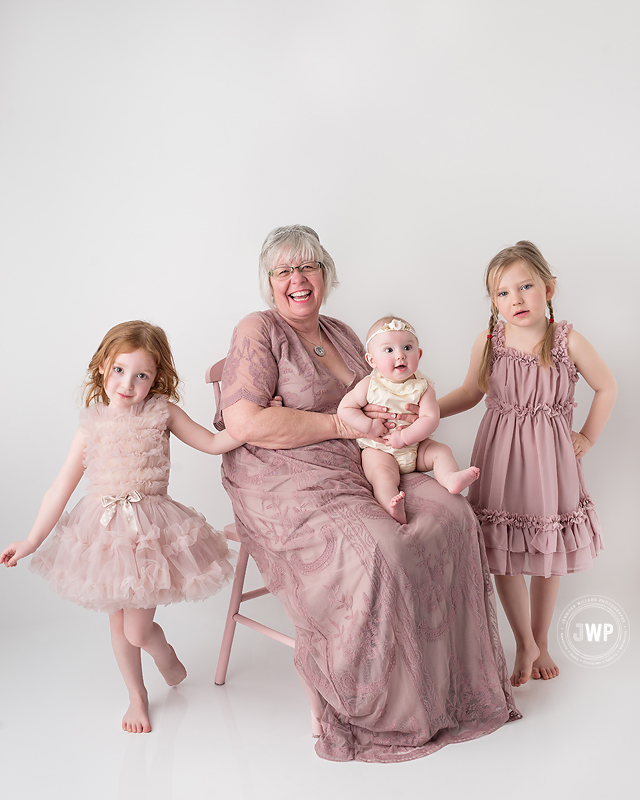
x,y
378,429
581,445
394,439
276,402
12,554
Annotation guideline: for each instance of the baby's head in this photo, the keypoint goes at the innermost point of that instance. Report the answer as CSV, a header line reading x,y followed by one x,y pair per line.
x,y
393,348
129,337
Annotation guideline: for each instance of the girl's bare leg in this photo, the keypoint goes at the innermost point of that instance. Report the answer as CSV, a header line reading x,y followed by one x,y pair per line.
x,y
383,473
136,719
439,458
143,632
512,590
544,592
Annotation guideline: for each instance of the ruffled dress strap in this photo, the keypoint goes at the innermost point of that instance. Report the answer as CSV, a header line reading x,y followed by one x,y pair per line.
x,y
560,351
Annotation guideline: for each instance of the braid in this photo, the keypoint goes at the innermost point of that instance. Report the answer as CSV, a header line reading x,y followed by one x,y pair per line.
x,y
546,344
485,363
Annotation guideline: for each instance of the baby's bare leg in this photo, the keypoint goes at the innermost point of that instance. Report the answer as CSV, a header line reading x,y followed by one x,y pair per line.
x,y
544,592
142,631
382,471
514,597
439,458
136,720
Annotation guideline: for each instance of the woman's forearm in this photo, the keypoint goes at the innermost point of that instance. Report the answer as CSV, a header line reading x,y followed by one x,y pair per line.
x,y
282,428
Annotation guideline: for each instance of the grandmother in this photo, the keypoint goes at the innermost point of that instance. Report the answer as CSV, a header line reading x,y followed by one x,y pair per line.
x,y
396,633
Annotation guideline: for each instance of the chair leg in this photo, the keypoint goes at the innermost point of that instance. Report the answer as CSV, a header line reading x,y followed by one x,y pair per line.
x,y
316,727
230,626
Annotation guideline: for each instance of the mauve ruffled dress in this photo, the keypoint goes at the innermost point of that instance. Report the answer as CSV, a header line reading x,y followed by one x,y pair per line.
x,y
164,554
536,515
396,631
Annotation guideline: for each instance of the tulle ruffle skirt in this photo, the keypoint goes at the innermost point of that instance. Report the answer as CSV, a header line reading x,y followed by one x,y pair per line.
x,y
168,555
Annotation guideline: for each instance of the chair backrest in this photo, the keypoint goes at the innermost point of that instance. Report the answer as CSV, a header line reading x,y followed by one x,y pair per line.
x,y
214,375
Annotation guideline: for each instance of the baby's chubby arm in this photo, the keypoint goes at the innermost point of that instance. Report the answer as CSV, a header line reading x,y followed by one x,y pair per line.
x,y
422,428
350,411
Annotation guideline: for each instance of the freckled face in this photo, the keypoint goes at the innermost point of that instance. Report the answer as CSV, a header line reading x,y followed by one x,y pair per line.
x,y
520,297
299,297
396,355
129,379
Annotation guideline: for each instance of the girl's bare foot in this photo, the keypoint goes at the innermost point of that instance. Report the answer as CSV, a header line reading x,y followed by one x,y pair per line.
x,y
396,509
174,672
136,720
458,481
544,667
525,656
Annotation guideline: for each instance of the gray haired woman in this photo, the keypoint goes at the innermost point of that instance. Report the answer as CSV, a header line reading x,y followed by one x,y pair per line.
x,y
396,634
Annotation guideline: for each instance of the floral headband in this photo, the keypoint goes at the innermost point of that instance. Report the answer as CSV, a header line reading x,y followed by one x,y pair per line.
x,y
394,325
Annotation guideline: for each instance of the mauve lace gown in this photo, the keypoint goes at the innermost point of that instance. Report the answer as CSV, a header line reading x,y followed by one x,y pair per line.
x,y
396,631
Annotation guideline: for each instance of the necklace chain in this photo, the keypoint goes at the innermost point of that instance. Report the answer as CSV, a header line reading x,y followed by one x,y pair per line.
x,y
318,349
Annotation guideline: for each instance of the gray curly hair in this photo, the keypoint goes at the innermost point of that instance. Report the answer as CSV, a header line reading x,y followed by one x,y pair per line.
x,y
298,243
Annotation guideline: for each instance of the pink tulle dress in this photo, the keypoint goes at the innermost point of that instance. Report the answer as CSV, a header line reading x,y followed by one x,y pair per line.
x,y
530,499
127,544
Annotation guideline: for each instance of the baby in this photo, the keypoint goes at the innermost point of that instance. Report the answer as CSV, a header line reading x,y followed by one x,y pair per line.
x,y
394,354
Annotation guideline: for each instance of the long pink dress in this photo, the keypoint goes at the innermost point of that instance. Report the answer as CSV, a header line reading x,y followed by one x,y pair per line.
x,y
396,631
536,515
111,553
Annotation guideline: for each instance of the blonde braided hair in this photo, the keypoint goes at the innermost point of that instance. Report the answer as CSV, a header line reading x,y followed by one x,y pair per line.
x,y
539,268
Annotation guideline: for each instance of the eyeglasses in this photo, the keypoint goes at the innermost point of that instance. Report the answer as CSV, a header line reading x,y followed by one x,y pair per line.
x,y
308,268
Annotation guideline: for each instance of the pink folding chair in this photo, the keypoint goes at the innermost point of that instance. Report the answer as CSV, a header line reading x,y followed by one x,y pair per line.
x,y
238,596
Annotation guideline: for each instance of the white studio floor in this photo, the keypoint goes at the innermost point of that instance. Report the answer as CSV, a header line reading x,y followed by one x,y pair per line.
x,y
63,698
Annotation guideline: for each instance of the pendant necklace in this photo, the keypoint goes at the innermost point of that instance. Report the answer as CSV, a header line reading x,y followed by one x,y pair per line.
x,y
318,349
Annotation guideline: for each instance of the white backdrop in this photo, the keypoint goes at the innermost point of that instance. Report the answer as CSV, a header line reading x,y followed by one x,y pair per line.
x,y
149,146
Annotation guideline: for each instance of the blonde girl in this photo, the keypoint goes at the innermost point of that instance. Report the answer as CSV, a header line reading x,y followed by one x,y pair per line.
x,y
127,547
536,515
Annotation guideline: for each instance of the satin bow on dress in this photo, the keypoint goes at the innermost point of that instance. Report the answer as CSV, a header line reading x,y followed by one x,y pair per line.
x,y
110,502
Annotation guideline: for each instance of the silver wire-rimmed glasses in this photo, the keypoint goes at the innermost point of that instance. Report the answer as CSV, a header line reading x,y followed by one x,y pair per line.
x,y
308,268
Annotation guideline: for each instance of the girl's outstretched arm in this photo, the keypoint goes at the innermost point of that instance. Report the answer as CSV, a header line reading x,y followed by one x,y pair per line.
x,y
600,378
469,394
53,504
181,425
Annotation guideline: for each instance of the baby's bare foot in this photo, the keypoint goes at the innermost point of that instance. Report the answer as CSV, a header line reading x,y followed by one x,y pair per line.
x,y
525,656
174,671
544,667
136,720
458,481
396,508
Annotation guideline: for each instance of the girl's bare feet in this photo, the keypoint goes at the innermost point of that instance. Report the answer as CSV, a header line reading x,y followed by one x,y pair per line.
x,y
174,671
544,667
525,656
458,481
136,720
396,509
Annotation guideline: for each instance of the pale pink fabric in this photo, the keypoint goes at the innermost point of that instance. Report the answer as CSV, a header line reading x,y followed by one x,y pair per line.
x,y
395,624
536,515
172,555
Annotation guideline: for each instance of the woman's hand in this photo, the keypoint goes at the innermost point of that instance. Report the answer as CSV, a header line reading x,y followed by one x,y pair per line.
x,y
389,418
581,445
12,554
